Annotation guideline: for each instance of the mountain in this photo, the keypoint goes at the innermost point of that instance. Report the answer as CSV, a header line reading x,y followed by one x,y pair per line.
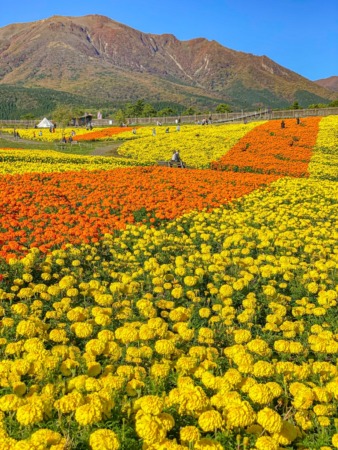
x,y
98,58
329,83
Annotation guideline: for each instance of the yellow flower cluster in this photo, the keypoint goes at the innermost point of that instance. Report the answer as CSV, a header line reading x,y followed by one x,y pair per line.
x,y
44,135
47,161
324,161
198,145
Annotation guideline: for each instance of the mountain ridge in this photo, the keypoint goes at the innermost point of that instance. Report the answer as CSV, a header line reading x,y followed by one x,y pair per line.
x,y
329,83
96,56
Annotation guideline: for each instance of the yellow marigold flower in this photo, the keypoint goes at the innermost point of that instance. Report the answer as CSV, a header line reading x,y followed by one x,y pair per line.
x,y
323,421
69,402
312,287
261,394
29,414
204,313
82,329
88,414
180,314
275,388
190,281
177,292
27,328
303,419
192,399
21,309
150,429
259,346
25,293
95,347
10,402
240,415
263,369
242,336
158,370
150,404
270,420
266,443
322,395
67,282
335,440
167,420
210,421
226,291
165,347
58,336
106,335
189,434
104,439
269,291
45,437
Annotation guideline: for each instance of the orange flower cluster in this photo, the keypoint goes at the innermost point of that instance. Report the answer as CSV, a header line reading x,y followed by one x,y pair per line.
x,y
49,210
101,134
269,148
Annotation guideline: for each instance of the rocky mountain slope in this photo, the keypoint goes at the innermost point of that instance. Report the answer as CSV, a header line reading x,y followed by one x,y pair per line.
x,y
98,57
329,83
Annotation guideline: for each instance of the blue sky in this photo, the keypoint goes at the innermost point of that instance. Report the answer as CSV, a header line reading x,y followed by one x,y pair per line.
x,y
301,35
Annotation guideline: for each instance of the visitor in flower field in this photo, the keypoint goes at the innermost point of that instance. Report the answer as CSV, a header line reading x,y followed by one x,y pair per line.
x,y
154,132
177,159
282,124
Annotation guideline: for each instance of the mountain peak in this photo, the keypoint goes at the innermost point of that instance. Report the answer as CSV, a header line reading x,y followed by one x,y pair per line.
x,y
95,55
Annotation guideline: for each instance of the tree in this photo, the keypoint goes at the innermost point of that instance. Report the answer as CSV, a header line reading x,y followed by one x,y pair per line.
x,y
63,114
295,105
166,112
189,112
223,108
149,110
120,116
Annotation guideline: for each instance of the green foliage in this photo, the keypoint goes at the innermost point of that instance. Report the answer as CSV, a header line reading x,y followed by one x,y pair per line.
x,y
166,112
120,116
35,103
63,114
223,108
307,98
295,105
189,112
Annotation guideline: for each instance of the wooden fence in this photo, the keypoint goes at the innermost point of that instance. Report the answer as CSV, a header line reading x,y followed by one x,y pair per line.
x,y
266,114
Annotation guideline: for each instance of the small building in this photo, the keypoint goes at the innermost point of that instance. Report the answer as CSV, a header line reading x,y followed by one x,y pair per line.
x,y
84,120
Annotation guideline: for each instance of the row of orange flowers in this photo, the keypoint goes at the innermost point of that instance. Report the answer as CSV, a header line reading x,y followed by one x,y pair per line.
x,y
101,134
269,148
47,210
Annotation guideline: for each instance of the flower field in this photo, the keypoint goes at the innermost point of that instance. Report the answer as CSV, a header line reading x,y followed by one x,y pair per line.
x,y
167,309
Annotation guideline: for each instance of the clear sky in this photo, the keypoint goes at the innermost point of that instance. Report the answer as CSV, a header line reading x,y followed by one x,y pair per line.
x,y
301,35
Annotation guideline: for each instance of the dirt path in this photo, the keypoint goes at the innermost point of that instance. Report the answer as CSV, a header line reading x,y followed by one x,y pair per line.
x,y
108,150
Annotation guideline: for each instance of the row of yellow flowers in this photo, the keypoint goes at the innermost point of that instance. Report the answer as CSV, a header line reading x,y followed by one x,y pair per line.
x,y
45,135
324,161
46,161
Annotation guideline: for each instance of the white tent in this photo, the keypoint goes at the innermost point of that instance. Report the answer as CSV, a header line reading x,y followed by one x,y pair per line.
x,y
45,123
